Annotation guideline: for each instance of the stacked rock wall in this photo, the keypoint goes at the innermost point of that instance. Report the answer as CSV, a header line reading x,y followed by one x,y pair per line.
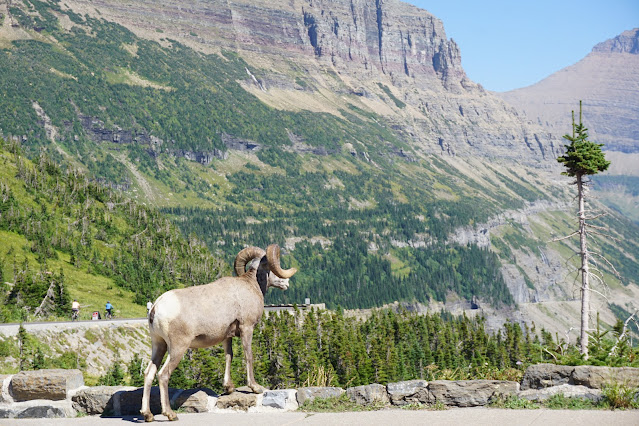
x,y
61,393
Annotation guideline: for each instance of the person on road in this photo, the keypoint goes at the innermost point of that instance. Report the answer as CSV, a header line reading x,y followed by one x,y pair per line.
x,y
109,308
75,309
149,305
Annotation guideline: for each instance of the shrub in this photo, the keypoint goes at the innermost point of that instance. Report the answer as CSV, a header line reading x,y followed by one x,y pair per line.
x,y
621,396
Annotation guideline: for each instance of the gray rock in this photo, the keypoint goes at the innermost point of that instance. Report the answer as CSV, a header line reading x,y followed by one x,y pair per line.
x,y
596,377
38,409
546,375
284,399
41,412
310,393
6,412
470,393
53,385
408,392
99,399
368,394
569,391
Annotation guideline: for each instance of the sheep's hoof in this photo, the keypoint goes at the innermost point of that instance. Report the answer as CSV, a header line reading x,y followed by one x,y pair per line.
x,y
171,416
257,388
148,417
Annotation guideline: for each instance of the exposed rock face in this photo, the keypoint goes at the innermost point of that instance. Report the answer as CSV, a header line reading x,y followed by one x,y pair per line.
x,y
607,81
384,56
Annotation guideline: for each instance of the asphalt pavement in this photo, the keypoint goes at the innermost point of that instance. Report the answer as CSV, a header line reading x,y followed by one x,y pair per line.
x,y
454,416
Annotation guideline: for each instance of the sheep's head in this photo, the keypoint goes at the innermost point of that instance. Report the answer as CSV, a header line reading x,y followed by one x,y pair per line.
x,y
267,264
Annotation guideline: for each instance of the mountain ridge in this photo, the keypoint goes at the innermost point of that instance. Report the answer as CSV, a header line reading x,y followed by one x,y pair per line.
x,y
606,80
358,46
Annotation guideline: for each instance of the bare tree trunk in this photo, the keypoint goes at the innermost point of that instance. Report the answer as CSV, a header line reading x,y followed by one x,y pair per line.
x,y
585,288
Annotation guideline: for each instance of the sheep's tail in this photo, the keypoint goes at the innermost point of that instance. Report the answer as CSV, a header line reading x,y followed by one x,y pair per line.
x,y
151,316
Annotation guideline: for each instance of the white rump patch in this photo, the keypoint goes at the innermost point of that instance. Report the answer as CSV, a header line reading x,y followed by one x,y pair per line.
x,y
167,308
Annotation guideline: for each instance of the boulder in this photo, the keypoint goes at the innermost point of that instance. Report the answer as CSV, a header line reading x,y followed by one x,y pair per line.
x,y
283,399
45,411
368,394
408,392
569,391
469,393
238,400
53,385
193,400
99,399
38,409
596,377
310,393
546,375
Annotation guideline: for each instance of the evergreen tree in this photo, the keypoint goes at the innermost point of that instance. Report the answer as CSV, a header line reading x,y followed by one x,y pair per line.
x,y
136,371
583,158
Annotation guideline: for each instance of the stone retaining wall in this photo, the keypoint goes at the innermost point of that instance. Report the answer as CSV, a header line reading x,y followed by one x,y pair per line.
x,y
61,393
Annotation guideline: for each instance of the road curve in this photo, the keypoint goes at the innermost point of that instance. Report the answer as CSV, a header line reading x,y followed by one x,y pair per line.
x,y
456,416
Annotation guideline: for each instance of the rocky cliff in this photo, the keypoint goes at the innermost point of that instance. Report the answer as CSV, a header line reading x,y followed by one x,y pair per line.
x,y
385,56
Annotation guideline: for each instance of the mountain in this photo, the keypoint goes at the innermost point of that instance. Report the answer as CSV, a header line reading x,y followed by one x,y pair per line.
x,y
607,81
345,131
385,57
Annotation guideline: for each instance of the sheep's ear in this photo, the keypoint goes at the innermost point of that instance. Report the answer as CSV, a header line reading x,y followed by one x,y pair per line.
x,y
254,264
262,280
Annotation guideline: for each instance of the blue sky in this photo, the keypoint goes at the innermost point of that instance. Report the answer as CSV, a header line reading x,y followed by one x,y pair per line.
x,y
508,44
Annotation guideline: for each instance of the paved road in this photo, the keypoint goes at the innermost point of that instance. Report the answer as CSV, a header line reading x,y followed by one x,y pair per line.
x,y
12,328
459,416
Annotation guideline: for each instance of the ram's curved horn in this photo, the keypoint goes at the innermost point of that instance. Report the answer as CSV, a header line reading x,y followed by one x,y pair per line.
x,y
273,258
244,256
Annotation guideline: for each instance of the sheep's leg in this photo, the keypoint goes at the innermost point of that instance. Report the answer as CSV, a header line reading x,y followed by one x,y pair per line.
x,y
158,350
228,355
246,333
175,356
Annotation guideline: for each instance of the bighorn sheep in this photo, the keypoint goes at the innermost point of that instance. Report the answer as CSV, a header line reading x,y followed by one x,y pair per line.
x,y
203,316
